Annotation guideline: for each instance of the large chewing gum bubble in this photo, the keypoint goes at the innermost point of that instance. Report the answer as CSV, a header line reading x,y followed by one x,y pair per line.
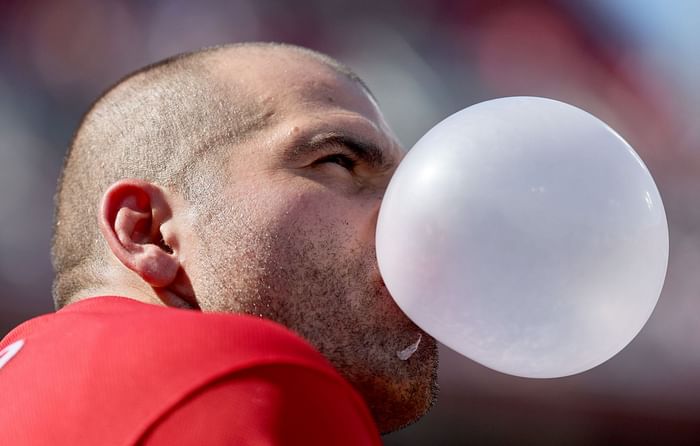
x,y
525,234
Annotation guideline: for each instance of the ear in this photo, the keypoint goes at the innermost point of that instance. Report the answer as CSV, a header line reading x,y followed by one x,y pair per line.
x,y
131,219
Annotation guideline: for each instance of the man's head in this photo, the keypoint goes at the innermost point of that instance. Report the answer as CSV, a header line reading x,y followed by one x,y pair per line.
x,y
246,179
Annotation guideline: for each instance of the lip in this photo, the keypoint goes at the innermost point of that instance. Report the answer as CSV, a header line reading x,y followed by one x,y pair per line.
x,y
381,281
393,306
382,286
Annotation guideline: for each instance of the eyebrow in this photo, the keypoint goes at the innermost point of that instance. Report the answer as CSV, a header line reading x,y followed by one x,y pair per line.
x,y
365,151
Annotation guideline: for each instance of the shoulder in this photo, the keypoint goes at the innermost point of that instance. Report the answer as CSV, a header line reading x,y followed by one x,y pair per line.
x,y
165,336
272,405
115,359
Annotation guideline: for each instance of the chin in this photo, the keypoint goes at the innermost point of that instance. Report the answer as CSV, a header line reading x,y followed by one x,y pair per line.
x,y
402,397
404,413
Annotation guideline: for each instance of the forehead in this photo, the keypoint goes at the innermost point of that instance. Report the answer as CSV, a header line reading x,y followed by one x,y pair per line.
x,y
299,91
278,74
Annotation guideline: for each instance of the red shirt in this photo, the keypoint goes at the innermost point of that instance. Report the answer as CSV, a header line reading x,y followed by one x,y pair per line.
x,y
114,371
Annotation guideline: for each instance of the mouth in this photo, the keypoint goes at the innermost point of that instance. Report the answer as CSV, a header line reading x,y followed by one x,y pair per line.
x,y
408,326
378,277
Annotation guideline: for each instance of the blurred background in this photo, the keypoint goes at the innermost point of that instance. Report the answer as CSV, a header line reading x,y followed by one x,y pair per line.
x,y
635,64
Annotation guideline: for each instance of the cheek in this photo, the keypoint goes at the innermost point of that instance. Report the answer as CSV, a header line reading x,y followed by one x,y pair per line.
x,y
323,214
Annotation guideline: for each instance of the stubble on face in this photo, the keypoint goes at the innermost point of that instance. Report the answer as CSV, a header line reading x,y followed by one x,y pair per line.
x,y
317,282
286,250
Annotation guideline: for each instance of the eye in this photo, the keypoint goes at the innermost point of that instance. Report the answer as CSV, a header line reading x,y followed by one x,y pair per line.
x,y
340,159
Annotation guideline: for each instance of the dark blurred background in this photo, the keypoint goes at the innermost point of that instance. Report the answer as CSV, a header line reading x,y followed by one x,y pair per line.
x,y
635,64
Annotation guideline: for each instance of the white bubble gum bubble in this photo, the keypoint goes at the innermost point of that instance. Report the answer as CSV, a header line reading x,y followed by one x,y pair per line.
x,y
525,234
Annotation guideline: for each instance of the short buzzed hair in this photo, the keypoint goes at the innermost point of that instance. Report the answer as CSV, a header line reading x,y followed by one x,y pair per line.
x,y
169,124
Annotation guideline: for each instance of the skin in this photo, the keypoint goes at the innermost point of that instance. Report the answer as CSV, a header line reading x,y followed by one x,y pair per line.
x,y
290,235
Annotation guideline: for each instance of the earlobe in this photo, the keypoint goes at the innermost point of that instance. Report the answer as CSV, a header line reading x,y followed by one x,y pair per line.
x,y
131,219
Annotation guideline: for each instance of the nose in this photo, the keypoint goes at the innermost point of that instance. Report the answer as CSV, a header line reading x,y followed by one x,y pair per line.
x,y
376,202
398,154
376,206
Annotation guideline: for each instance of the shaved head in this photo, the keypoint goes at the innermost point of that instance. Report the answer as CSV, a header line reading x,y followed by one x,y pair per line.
x,y
169,123
247,179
